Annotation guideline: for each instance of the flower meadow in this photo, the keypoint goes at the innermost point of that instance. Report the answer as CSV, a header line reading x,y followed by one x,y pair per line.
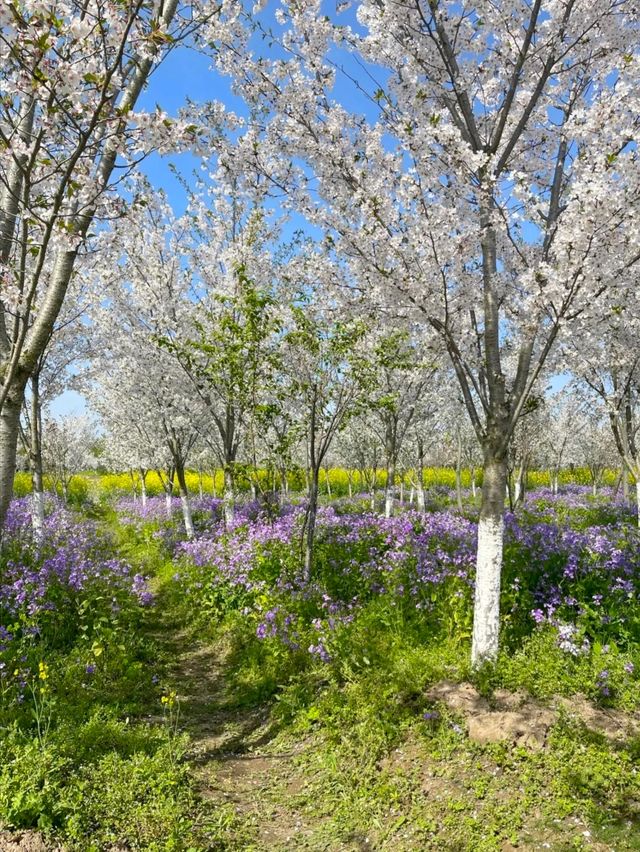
x,y
571,582
90,725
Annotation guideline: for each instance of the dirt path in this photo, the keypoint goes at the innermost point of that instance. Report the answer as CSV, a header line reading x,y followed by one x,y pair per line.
x,y
237,763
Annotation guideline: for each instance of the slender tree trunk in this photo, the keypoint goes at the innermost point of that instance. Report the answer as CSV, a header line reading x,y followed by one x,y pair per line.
x,y
474,487
486,614
401,489
184,500
637,497
327,482
459,471
168,491
389,486
519,486
200,483
283,486
310,529
35,453
143,486
350,482
420,477
625,486
229,496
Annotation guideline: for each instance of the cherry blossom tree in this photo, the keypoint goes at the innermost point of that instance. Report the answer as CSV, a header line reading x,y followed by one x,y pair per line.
x,y
68,445
327,376
489,180
145,297
71,74
402,377
563,423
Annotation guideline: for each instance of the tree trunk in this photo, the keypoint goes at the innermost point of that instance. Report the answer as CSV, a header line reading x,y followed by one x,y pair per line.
x,y
486,614
625,486
184,501
459,471
35,457
327,482
519,486
310,524
389,487
350,482
9,428
474,487
143,486
229,496
637,498
420,477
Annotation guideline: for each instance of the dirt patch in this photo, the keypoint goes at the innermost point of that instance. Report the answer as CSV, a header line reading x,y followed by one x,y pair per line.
x,y
514,717
24,841
525,727
615,725
460,697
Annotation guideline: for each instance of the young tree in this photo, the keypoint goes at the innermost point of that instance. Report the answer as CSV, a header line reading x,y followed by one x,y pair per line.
x,y
326,375
402,378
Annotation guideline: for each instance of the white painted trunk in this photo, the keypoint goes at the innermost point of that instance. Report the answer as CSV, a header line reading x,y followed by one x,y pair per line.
x,y
143,491
186,514
388,504
168,499
486,613
412,494
421,500
229,505
518,491
37,514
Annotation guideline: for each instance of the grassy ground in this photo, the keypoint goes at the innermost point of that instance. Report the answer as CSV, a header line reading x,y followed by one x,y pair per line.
x,y
239,748
321,765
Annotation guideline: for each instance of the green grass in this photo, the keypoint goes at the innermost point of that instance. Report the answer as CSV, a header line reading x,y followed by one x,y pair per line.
x,y
370,770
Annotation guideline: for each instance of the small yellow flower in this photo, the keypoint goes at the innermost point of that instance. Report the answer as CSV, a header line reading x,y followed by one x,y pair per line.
x,y
43,670
169,700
